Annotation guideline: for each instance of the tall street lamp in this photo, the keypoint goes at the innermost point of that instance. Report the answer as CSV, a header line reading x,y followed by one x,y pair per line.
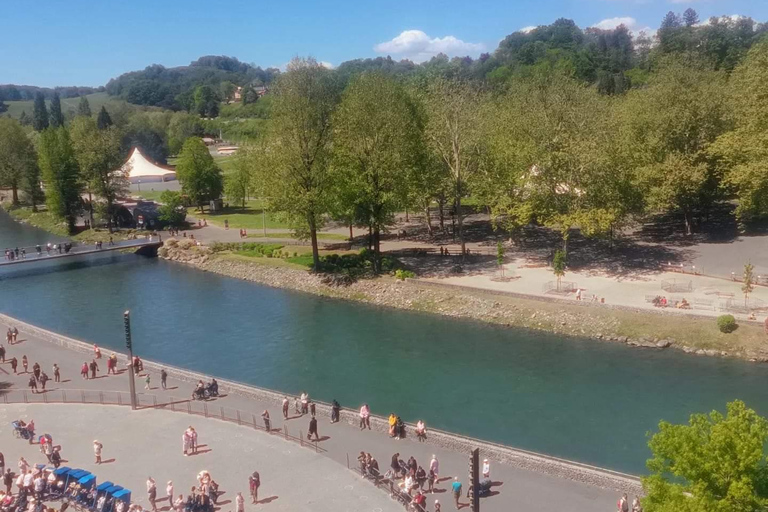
x,y
129,346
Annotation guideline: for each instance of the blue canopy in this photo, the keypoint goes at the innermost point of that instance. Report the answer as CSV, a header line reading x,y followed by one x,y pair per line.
x,y
113,489
88,479
104,486
62,471
123,495
80,473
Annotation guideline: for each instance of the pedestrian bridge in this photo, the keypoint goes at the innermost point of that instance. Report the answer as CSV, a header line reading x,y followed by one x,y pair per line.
x,y
27,255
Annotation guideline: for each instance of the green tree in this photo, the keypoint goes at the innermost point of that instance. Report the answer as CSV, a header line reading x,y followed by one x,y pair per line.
x,y
61,175
748,281
18,160
3,106
669,127
206,101
558,266
237,184
454,129
24,119
40,113
181,127
84,108
103,120
56,116
742,153
200,177
500,256
374,144
716,463
299,146
99,156
172,210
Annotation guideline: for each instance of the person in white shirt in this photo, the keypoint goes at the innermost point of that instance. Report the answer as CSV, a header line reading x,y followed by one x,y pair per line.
x,y
486,469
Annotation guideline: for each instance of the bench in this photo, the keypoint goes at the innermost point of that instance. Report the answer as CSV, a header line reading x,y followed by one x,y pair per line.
x,y
703,303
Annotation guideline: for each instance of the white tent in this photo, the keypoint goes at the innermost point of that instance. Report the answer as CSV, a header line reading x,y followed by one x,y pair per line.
x,y
140,167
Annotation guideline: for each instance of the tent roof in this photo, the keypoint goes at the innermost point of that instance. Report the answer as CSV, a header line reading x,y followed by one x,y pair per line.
x,y
139,166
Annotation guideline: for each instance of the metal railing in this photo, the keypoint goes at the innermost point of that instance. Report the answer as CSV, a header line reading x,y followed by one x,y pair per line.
x,y
204,408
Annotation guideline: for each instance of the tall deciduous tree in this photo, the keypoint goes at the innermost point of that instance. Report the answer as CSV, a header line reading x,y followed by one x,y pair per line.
x,y
60,174
84,108
297,181
40,113
56,115
715,463
18,161
200,177
669,128
743,152
375,143
100,159
454,130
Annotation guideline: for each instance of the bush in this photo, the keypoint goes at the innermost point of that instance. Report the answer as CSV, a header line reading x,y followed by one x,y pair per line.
x,y
726,323
402,275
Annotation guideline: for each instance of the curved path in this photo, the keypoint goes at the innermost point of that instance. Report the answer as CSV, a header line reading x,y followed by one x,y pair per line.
x,y
522,490
148,443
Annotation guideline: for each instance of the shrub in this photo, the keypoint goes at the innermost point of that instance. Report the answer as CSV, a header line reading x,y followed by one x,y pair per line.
x,y
402,275
726,323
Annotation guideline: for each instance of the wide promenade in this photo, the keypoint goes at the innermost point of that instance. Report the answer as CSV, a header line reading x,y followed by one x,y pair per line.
x,y
520,490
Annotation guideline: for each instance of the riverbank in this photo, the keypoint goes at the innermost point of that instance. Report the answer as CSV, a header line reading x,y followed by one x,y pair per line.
x,y
46,347
640,328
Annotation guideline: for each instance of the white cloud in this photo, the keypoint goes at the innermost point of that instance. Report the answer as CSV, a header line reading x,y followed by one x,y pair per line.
x,y
418,46
732,17
527,29
326,64
627,21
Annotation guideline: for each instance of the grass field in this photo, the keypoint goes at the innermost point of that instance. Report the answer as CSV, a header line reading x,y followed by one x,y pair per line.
x,y
320,236
95,100
249,218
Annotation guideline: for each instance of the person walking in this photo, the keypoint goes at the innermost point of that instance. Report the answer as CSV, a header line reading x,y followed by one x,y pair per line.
x,y
169,492
94,368
313,429
623,504
146,381
254,481
84,370
14,364
365,417
56,373
152,493
96,351
636,506
2,463
437,506
486,469
186,442
240,502
456,489
335,410
43,379
2,353
33,384
434,466
8,481
25,363
265,416
285,408
163,378
97,448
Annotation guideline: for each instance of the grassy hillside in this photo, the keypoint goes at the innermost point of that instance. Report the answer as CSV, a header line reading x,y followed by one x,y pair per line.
x,y
96,100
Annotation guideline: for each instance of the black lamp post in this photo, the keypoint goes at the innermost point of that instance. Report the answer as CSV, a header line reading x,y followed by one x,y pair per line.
x,y
129,346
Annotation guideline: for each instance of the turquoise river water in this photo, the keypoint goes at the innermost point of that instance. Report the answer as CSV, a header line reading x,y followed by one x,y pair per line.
x,y
580,399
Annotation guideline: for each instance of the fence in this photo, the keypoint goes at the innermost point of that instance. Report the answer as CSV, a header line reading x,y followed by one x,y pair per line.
x,y
206,409
677,285
561,287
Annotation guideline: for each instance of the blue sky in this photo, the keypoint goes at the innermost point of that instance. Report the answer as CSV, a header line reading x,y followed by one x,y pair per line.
x,y
79,42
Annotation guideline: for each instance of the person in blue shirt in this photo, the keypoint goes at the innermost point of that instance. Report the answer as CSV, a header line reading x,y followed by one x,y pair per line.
x,y
456,488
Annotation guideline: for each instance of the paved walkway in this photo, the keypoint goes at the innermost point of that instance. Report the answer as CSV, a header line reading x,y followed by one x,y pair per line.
x,y
148,443
522,491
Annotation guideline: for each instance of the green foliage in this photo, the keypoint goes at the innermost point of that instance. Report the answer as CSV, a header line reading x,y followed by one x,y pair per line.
x,y
40,113
18,162
56,116
103,121
206,101
172,210
61,175
558,264
182,126
748,281
499,253
402,274
237,184
246,248
716,463
726,323
200,177
84,107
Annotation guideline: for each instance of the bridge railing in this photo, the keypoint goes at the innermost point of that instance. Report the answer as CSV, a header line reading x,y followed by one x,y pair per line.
x,y
31,251
203,408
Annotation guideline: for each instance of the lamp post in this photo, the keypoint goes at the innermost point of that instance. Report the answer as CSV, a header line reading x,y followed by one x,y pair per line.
x,y
129,346
139,185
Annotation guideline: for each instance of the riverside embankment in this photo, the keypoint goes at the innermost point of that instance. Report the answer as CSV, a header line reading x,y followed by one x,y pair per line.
x,y
634,327
44,346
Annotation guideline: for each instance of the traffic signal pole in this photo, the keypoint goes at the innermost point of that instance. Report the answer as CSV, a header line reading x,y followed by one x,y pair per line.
x,y
129,346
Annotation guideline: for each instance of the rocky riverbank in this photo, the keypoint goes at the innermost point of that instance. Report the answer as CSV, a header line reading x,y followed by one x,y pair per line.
x,y
642,329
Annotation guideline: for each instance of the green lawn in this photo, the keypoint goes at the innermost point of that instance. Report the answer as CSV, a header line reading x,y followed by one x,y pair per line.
x,y
320,236
95,100
148,195
249,218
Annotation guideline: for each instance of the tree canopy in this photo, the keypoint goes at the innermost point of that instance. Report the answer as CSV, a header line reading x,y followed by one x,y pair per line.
x,y
200,177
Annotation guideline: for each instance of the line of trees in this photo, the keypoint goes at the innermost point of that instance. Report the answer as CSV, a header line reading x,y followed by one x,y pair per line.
x,y
543,148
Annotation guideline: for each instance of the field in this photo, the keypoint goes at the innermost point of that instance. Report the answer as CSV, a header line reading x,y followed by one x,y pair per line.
x,y
249,218
96,101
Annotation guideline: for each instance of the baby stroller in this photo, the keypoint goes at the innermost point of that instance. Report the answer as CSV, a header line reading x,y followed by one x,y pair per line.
x,y
21,431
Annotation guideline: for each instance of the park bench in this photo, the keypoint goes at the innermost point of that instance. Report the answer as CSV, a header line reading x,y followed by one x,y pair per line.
x,y
703,303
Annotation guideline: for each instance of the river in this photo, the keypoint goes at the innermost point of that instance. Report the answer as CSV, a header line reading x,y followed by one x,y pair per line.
x,y
579,399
